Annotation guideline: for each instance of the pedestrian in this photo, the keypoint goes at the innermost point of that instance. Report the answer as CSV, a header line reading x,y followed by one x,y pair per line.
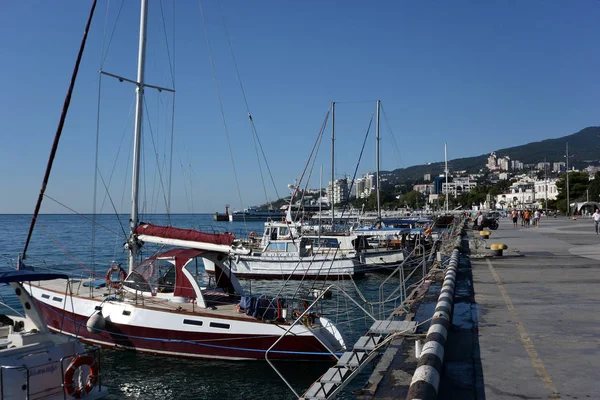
x,y
480,220
536,218
515,217
522,216
527,217
596,217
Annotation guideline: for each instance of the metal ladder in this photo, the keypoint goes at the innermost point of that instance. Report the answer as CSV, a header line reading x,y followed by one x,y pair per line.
x,y
352,362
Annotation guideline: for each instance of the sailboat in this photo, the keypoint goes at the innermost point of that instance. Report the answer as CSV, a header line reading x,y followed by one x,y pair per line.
x,y
159,306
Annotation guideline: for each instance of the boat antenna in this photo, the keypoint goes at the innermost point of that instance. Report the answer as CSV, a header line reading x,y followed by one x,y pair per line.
x,y
59,130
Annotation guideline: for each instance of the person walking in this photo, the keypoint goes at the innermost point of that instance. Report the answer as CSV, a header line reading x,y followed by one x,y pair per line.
x,y
515,217
536,218
480,220
526,217
596,217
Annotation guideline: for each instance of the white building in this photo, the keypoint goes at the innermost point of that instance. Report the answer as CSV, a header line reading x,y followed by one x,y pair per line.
x,y
558,166
526,192
516,165
546,187
491,162
504,163
458,186
424,188
339,193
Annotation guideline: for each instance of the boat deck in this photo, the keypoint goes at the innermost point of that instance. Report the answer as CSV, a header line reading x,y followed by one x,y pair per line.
x,y
217,303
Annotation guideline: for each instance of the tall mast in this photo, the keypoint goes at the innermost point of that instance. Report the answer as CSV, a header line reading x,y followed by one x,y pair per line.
x,y
568,205
446,173
139,97
332,162
377,160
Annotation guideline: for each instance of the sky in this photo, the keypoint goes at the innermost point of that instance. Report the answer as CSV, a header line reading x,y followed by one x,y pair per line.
x,y
477,75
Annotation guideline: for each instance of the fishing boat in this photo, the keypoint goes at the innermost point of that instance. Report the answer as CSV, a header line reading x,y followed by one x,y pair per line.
x,y
160,306
35,363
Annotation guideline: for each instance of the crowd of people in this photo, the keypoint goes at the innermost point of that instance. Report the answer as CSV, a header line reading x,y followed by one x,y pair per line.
x,y
526,217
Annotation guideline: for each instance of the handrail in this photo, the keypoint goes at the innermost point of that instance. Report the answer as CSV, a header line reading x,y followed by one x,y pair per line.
x,y
299,318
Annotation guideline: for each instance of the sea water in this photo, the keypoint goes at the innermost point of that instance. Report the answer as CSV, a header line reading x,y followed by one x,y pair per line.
x,y
68,243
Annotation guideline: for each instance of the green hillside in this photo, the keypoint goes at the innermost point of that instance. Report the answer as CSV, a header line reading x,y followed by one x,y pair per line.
x,y
584,146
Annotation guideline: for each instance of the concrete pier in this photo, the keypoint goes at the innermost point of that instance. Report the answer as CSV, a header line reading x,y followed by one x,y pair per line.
x,y
525,325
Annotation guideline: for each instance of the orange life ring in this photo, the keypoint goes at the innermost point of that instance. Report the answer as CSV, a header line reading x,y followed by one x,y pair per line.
x,y
110,282
252,235
92,379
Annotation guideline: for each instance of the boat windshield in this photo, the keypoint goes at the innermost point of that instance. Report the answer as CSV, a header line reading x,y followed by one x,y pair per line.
x,y
152,275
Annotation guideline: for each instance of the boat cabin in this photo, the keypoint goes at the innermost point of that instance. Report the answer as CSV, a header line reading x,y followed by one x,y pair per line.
x,y
173,276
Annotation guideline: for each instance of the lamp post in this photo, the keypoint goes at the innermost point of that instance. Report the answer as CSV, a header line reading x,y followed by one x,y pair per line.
x,y
568,201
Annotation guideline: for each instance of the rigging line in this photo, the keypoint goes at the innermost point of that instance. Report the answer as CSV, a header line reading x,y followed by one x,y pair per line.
x,y
172,70
95,190
351,184
260,166
212,63
62,248
311,154
164,26
105,50
160,179
355,101
113,204
252,125
394,143
125,129
79,214
172,113
59,129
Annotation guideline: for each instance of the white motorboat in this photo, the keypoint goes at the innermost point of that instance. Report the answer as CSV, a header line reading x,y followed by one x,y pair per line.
x,y
35,363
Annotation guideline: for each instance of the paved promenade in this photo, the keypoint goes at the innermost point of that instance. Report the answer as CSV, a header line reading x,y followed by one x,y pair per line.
x,y
538,312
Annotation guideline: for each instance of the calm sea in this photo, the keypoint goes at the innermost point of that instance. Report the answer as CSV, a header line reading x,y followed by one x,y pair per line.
x,y
67,242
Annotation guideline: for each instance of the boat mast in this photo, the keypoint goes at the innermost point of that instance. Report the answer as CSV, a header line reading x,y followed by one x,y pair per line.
x,y
377,161
332,163
446,173
139,97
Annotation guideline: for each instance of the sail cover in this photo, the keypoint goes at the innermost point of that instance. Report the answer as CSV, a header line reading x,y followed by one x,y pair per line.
x,y
169,232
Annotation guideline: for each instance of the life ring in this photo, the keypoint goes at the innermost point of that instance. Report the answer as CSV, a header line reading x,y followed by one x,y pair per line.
x,y
92,379
252,235
111,270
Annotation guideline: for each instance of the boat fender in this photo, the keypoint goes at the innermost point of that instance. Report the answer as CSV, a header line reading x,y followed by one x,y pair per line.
x,y
109,273
96,323
78,392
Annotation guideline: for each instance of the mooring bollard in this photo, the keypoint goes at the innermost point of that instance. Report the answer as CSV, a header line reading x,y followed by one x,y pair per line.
x,y
426,379
497,249
484,234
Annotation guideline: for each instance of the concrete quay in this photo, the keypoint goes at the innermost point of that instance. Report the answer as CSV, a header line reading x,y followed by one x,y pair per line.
x,y
525,325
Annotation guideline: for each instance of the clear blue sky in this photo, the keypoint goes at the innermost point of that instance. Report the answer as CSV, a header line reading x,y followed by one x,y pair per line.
x,y
479,75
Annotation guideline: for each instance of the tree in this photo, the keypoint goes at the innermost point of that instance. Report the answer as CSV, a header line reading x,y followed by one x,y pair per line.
x,y
578,184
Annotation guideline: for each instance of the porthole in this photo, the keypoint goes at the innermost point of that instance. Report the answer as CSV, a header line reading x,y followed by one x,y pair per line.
x,y
27,305
18,291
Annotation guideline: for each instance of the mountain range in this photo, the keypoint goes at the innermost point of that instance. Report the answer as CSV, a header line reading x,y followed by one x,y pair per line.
x,y
584,147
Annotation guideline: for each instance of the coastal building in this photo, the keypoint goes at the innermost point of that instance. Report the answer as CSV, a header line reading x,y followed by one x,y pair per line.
x,y
437,184
491,162
458,186
427,177
542,166
426,188
516,165
558,166
338,191
504,163
526,192
546,187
